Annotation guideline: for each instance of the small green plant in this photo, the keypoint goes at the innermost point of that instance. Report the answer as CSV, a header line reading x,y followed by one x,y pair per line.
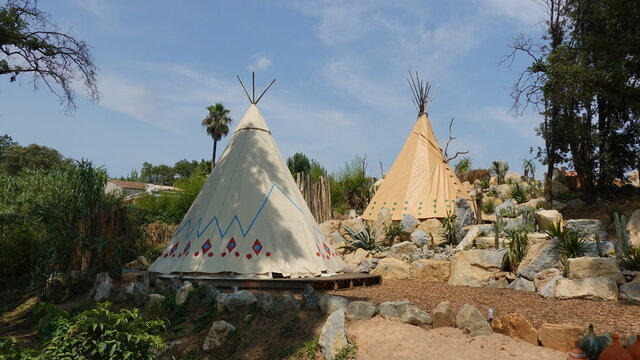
x,y
518,193
348,352
508,211
393,230
360,239
555,230
488,206
449,228
485,182
493,193
631,261
572,245
102,334
529,221
10,350
307,351
517,247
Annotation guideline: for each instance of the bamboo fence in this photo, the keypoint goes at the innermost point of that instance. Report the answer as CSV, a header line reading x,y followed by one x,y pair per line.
x,y
317,195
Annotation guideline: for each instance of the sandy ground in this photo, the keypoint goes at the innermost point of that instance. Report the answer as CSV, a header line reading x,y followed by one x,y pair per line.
x,y
385,339
607,316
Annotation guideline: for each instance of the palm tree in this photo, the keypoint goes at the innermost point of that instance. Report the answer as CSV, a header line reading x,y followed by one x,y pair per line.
x,y
529,167
216,124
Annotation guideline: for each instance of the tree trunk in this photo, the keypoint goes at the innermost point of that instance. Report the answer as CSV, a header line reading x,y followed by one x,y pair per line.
x,y
213,157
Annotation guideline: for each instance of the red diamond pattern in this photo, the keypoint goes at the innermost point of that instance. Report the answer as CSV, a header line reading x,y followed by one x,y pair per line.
x,y
206,246
232,244
256,247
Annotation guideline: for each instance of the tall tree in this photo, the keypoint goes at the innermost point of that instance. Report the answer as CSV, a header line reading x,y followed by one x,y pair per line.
x,y
299,162
30,43
216,124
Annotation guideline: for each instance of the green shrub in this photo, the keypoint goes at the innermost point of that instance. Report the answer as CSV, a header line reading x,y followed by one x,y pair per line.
x,y
102,334
359,239
350,187
572,245
517,247
488,206
10,350
450,228
395,229
499,169
519,194
463,165
493,193
485,182
307,351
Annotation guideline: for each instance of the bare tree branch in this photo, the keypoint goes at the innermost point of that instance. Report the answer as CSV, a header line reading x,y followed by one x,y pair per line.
x,y
446,148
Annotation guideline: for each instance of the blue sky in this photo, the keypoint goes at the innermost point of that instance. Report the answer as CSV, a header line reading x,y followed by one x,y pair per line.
x,y
341,69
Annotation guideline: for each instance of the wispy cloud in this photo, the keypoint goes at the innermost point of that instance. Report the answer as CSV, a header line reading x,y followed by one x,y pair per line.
x,y
260,62
525,11
100,8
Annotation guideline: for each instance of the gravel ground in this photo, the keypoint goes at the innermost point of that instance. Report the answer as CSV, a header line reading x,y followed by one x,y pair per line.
x,y
609,316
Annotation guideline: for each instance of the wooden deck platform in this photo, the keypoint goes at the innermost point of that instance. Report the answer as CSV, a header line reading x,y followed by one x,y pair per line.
x,y
333,282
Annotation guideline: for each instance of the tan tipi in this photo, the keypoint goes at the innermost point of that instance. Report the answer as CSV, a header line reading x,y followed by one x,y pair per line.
x,y
249,220
420,182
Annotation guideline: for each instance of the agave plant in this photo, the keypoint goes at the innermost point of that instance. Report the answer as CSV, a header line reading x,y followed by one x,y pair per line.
x,y
488,206
572,245
519,194
485,182
360,239
555,230
449,228
500,169
631,261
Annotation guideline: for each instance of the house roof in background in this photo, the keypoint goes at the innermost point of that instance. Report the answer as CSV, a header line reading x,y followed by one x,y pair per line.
x,y
128,184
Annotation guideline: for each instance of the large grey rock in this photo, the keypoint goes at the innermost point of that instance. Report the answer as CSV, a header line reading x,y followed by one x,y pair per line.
x,y
415,316
588,228
159,285
470,320
506,208
394,309
102,287
476,268
402,249
420,238
333,335
540,256
522,284
264,301
284,303
329,227
239,300
606,248
599,288
588,267
140,291
125,293
174,285
367,266
546,280
469,239
433,228
443,316
406,312
310,298
631,291
332,303
409,223
361,310
183,293
354,259
217,334
220,300
464,215
153,300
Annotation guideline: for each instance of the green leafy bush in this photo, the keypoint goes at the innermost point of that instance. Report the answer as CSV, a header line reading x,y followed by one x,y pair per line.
x,y
360,239
463,165
499,169
488,206
395,230
519,194
350,187
517,247
10,350
485,182
572,245
493,193
99,333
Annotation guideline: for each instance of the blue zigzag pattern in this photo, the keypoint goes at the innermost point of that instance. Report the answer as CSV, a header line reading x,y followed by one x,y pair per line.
x,y
235,219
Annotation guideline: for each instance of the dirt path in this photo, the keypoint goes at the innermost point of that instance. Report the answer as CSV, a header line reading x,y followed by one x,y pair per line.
x,y
384,339
609,316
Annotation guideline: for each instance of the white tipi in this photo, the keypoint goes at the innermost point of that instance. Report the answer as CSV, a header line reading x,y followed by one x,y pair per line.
x,y
249,219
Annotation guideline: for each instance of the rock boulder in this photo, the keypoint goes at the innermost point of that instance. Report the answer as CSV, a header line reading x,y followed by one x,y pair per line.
x,y
471,321
392,269
589,267
561,337
598,288
430,270
333,335
540,256
516,326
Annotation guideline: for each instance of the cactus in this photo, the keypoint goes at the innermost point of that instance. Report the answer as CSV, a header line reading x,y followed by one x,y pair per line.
x,y
497,229
621,232
598,246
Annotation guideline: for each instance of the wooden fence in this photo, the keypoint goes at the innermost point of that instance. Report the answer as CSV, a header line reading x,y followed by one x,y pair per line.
x,y
317,195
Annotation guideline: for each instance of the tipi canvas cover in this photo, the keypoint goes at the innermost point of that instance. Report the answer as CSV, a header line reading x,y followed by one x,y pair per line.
x,y
249,219
420,182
